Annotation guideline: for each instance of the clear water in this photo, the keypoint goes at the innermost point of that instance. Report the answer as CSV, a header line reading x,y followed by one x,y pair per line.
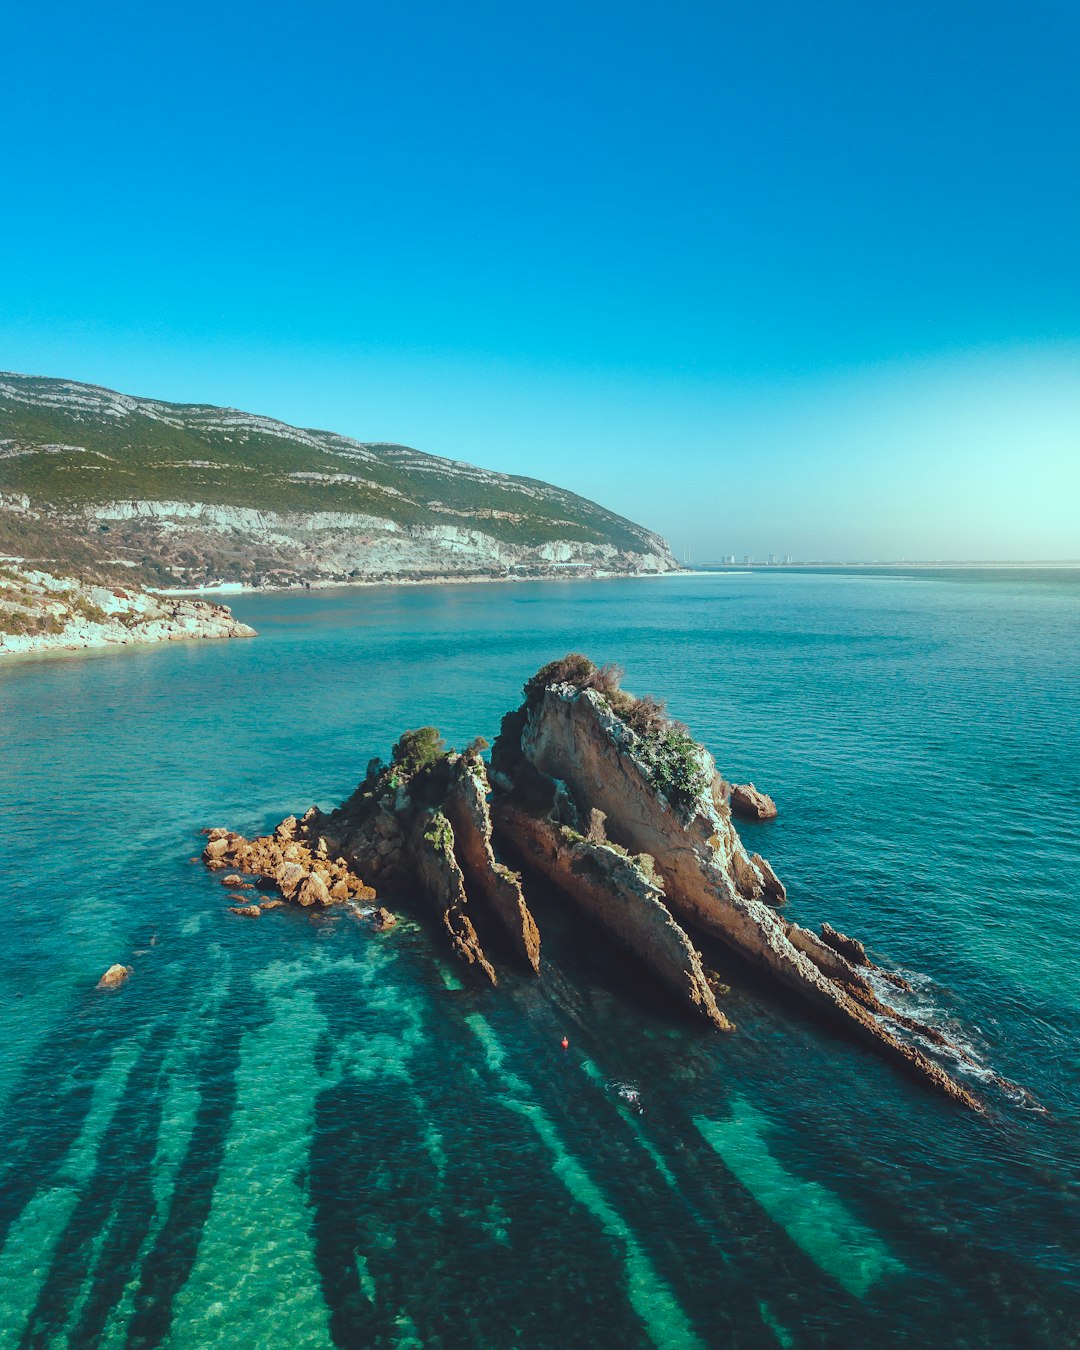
x,y
293,1132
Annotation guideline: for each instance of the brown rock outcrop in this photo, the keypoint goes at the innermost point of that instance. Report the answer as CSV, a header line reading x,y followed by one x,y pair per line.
x,y
247,911
617,891
284,862
625,814
114,976
846,946
437,869
748,802
772,886
466,809
312,891
656,791
422,823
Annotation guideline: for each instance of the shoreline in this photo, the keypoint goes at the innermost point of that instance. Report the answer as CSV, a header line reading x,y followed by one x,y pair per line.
x,y
110,639
236,588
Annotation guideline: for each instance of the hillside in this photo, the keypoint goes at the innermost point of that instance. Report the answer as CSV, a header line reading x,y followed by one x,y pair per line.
x,y
188,495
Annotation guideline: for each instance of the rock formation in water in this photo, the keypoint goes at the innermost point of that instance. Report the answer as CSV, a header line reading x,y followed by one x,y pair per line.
x,y
579,743
748,802
114,977
623,813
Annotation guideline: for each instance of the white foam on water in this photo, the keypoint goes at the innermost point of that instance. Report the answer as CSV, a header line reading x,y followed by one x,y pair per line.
x,y
811,1215
629,1111
649,1294
27,1254
255,1257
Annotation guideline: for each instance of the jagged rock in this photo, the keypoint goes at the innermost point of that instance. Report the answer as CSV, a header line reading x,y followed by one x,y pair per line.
x,y
658,798
846,946
773,887
114,976
625,814
467,810
747,801
614,890
312,891
432,844
289,877
285,862
381,919
247,911
271,904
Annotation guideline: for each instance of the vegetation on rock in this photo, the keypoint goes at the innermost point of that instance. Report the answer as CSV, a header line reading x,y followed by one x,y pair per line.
x,y
418,750
665,748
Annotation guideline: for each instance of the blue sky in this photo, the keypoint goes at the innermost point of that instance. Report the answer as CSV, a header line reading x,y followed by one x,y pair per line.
x,y
789,277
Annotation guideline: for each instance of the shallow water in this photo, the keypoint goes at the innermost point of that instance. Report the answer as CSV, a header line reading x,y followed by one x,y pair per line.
x,y
298,1133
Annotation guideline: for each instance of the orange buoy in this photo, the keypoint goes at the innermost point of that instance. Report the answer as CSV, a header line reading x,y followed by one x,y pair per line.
x,y
565,1043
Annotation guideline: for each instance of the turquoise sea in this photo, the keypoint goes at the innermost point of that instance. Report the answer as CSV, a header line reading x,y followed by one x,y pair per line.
x,y
292,1132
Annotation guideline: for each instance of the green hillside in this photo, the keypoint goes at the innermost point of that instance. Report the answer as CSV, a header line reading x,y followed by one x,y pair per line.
x,y
75,445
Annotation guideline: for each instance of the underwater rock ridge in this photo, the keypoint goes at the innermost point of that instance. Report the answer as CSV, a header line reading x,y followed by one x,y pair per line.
x,y
624,814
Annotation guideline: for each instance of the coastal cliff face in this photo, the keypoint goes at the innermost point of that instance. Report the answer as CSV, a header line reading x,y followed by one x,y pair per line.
x,y
624,815
189,496
41,612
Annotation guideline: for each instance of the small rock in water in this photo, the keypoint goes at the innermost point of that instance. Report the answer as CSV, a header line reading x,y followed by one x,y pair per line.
x,y
114,976
247,911
748,802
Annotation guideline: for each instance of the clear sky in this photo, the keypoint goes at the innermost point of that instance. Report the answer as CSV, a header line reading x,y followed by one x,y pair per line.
x,y
789,277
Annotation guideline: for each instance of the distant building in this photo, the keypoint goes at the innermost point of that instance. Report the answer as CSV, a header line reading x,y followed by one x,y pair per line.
x,y
773,560
747,560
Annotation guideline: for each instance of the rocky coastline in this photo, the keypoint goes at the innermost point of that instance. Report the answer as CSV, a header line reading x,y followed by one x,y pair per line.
x,y
626,817
42,612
